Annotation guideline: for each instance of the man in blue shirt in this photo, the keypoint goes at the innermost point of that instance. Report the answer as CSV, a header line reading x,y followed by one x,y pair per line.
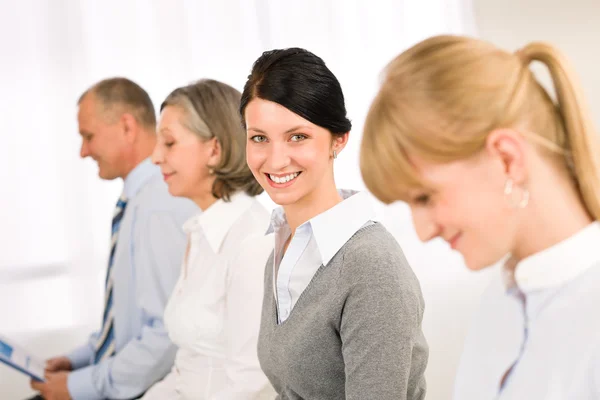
x,y
131,350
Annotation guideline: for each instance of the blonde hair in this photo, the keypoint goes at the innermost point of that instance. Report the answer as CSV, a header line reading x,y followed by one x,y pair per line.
x,y
211,111
441,98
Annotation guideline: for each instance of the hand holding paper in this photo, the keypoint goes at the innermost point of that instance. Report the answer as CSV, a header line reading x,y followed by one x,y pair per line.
x,y
57,364
55,387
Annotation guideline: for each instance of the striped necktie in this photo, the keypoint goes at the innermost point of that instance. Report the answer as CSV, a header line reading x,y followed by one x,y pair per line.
x,y
105,347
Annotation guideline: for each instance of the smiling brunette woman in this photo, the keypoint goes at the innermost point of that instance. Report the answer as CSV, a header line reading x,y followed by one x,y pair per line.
x,y
342,309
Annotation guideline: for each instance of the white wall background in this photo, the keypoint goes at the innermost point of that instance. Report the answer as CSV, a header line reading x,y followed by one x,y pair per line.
x,y
55,212
573,26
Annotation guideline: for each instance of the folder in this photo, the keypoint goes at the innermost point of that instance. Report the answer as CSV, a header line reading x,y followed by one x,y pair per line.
x,y
19,359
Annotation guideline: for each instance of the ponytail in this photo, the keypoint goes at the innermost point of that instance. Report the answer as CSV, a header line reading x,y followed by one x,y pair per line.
x,y
583,144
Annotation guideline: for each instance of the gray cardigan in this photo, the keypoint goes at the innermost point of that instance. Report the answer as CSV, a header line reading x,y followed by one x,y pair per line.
x,y
355,332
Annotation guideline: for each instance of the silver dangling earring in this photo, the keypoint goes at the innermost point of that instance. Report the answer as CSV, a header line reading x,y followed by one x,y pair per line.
x,y
334,155
508,192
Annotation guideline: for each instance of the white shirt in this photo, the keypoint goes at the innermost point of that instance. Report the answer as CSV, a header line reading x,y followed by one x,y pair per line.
x,y
213,315
544,320
315,242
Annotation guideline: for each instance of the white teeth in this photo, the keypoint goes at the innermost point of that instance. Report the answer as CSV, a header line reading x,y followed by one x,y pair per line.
x,y
283,179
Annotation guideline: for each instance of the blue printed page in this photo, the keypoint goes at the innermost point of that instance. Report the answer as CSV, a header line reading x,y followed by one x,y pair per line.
x,y
17,358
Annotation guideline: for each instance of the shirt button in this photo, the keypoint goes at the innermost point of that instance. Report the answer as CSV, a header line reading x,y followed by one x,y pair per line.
x,y
284,313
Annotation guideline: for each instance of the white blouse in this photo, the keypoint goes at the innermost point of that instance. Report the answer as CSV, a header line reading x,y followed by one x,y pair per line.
x,y
537,333
213,315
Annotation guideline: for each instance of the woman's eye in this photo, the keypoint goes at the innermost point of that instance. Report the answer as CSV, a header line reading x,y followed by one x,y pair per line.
x,y
258,139
422,199
297,138
169,144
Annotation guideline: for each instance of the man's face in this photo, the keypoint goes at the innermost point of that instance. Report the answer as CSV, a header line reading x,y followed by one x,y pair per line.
x,y
103,138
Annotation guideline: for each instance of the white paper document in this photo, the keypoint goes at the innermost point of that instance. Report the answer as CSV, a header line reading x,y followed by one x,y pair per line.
x,y
19,359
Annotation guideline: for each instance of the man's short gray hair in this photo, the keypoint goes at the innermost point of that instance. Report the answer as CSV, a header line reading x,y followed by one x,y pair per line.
x,y
126,95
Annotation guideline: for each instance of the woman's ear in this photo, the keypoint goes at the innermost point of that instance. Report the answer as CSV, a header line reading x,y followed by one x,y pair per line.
x,y
339,142
215,152
509,148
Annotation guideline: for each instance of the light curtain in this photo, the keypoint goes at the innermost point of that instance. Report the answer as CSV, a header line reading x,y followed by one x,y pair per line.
x,y
56,212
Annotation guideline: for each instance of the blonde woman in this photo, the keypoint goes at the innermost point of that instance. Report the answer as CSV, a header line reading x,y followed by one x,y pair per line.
x,y
213,314
465,133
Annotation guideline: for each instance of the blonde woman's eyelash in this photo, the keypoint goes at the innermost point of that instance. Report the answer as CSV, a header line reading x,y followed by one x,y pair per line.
x,y
422,198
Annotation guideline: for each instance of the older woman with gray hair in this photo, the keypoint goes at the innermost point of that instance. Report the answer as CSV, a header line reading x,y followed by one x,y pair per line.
x,y
213,315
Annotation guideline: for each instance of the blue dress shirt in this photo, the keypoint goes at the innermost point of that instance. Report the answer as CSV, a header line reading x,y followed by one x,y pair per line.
x,y
150,248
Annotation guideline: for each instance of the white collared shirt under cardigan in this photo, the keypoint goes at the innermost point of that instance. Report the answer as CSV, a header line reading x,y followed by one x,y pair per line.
x,y
342,318
213,314
544,322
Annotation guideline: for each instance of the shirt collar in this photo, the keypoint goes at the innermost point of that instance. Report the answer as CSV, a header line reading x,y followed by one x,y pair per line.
x,y
556,265
217,220
136,179
334,227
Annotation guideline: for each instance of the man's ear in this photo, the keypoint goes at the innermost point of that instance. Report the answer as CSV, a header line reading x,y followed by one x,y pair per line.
x,y
130,127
